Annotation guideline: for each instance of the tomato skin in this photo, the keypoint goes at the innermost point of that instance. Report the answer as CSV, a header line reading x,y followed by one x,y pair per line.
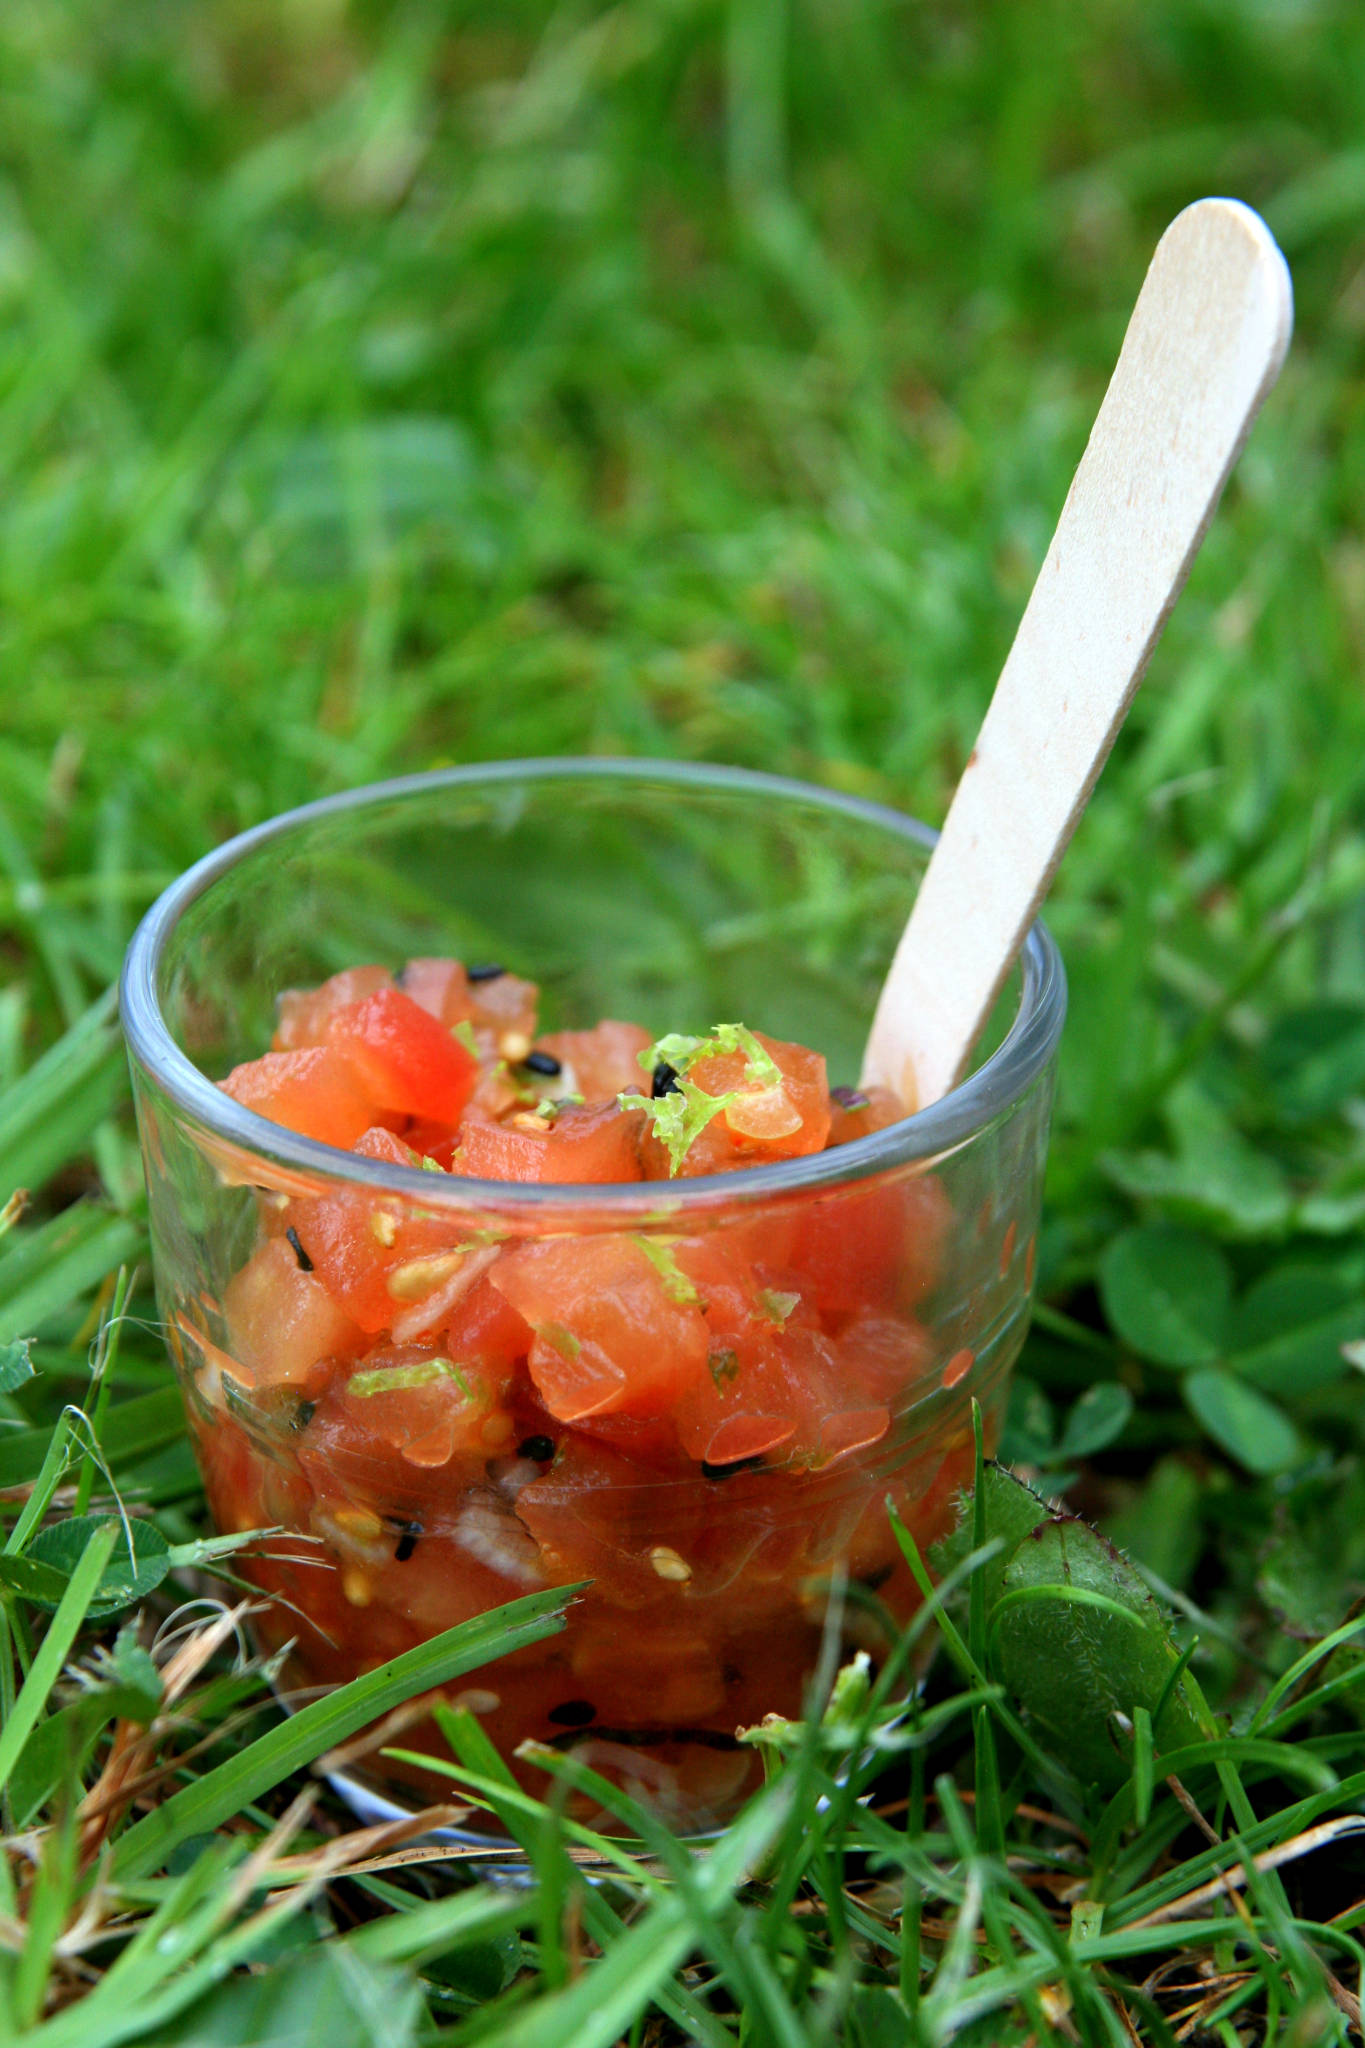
x,y
591,1143
412,1065
315,1091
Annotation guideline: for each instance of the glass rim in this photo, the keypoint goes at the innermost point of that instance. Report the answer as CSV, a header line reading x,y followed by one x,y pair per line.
x,y
977,1102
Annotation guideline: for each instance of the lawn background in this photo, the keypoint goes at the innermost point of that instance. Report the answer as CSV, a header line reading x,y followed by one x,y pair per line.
x,y
389,386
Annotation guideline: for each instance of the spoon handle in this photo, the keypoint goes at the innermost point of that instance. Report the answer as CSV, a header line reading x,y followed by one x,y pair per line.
x,y
1204,345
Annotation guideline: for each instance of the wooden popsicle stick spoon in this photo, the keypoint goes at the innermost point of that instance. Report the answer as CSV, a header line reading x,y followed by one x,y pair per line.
x,y
1204,346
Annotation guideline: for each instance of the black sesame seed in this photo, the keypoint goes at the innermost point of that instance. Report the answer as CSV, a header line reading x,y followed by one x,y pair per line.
x,y
850,1098
305,1263
304,1414
665,1080
407,1542
710,1471
538,1062
573,1713
539,1449
488,971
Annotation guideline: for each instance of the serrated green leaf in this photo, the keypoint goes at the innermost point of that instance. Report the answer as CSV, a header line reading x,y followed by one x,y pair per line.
x,y
1242,1421
1012,1512
1075,1665
1167,1293
1098,1417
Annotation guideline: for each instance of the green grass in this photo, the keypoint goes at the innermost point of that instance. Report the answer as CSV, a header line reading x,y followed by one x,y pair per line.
x,y
389,385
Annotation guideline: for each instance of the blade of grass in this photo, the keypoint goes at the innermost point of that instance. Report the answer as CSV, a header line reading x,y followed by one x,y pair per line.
x,y
208,1801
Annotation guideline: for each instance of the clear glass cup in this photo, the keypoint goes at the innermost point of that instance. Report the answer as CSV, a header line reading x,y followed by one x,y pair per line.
x,y
887,1280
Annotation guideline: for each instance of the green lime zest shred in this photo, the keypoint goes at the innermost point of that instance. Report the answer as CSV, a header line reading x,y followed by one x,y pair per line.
x,y
724,1367
664,1260
777,1306
680,1117
398,1379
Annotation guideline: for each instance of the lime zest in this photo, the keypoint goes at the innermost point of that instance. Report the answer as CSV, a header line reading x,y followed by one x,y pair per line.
x,y
397,1379
464,1032
680,1117
778,1306
664,1260
723,1365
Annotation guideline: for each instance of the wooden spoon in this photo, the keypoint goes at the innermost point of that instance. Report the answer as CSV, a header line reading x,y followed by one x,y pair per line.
x,y
1204,345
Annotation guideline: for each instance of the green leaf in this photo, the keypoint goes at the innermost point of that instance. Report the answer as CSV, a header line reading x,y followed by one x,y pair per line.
x,y
1100,1415
1167,1292
1162,1526
128,1577
1288,1329
1079,1640
333,1997
130,1430
1217,1177
1030,1426
1242,1422
1012,1512
16,1366
1313,1059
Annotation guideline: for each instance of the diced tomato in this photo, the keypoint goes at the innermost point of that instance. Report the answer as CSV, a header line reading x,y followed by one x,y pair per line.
x,y
306,1012
609,1337
856,1113
411,1064
281,1320
875,1245
600,1516
428,1405
501,1009
578,1144
886,1358
315,1091
768,1119
485,1328
372,1252
602,1063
